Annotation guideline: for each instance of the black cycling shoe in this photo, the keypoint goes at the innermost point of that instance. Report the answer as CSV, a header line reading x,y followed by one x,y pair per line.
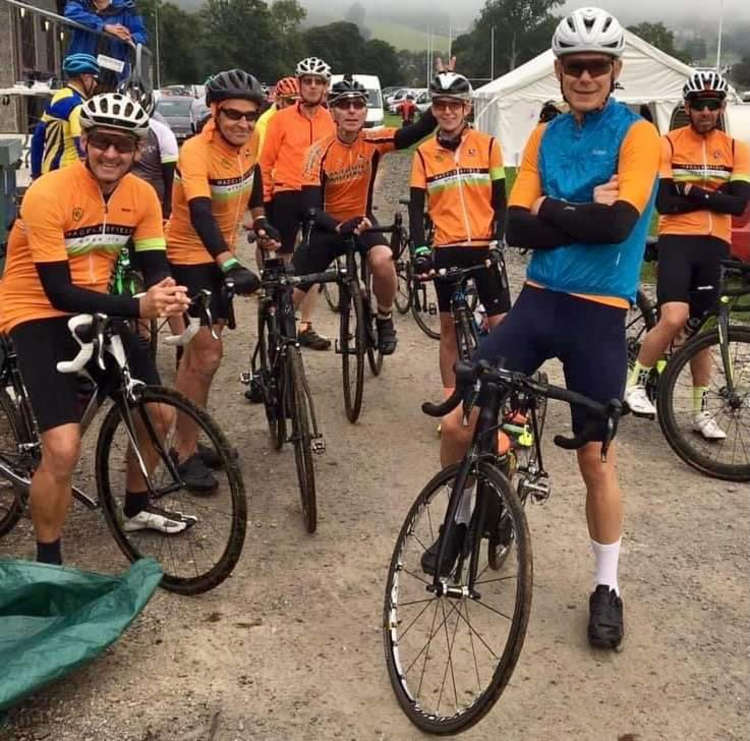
x,y
254,393
387,340
310,338
211,458
454,546
196,475
605,618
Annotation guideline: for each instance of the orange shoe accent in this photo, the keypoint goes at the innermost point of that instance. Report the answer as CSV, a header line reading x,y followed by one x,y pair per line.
x,y
503,443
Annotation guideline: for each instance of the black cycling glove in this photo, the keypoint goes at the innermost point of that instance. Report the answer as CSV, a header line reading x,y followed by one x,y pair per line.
x,y
347,227
245,281
423,262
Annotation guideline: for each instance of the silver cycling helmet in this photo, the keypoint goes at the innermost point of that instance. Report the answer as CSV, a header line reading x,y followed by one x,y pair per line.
x,y
450,85
313,66
115,111
589,30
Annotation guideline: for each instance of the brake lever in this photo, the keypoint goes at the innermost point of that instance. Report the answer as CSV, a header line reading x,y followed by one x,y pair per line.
x,y
613,418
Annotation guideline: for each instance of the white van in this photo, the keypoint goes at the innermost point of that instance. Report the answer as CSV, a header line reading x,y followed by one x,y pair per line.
x,y
375,114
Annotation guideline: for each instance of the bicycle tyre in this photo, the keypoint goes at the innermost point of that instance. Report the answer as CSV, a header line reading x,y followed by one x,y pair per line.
x,y
332,296
641,318
423,294
665,405
352,345
301,437
10,437
374,356
236,499
466,337
271,390
403,287
408,696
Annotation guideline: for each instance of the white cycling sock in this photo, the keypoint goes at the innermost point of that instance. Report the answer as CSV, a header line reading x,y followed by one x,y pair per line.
x,y
607,556
465,506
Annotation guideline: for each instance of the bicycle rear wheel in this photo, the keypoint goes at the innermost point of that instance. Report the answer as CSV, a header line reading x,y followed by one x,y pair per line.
x,y
295,395
11,497
203,555
424,308
268,381
450,657
352,348
640,319
332,296
729,458
403,286
374,356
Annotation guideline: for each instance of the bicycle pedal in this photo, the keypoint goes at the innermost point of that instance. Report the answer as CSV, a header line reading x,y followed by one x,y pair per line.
x,y
318,445
539,489
246,377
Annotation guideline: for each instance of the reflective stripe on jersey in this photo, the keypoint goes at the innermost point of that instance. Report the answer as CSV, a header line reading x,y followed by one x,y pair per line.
x,y
65,217
208,167
459,187
709,162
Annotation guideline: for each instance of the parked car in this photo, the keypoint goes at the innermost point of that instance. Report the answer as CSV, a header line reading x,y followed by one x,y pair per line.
x,y
176,110
398,97
423,100
375,114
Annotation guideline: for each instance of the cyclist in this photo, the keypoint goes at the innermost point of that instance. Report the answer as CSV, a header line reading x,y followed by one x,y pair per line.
x,y
217,179
407,110
338,183
61,254
460,172
56,140
290,133
582,201
704,180
285,94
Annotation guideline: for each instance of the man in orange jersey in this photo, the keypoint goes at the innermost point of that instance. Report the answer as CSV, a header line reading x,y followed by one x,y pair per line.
x,y
217,179
582,202
338,184
61,255
705,180
288,136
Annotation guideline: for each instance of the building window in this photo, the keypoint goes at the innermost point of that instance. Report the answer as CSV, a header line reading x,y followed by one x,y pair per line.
x,y
28,43
48,27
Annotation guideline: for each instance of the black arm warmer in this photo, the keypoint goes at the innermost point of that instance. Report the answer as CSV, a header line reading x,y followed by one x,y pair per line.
x,y
312,199
733,200
64,296
204,223
499,204
669,201
593,223
416,132
525,230
416,216
256,195
154,266
167,173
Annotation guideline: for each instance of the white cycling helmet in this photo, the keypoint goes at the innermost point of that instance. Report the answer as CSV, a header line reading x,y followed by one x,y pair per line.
x,y
589,30
708,83
115,111
313,66
450,85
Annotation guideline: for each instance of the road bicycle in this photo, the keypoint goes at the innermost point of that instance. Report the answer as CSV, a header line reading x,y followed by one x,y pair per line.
x,y
137,440
453,632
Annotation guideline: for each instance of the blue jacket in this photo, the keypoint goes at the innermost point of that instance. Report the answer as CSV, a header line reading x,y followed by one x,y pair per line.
x,y
118,11
573,160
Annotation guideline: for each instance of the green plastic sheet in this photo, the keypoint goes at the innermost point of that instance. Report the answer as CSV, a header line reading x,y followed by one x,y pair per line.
x,y
55,619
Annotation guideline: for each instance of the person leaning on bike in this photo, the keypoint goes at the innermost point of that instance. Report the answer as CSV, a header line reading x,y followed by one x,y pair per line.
x,y
704,181
218,178
61,254
460,171
582,201
338,184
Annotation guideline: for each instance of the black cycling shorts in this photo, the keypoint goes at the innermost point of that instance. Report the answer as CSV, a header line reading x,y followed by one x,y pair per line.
x,y
197,277
689,271
42,343
324,247
492,283
586,336
287,215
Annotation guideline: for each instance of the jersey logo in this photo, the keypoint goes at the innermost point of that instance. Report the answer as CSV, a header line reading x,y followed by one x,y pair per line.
x,y
77,213
717,154
472,152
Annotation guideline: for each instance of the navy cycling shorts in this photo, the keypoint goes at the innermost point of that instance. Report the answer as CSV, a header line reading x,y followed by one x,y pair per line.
x,y
586,336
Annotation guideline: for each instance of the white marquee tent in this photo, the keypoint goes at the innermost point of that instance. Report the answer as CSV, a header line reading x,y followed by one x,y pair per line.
x,y
509,107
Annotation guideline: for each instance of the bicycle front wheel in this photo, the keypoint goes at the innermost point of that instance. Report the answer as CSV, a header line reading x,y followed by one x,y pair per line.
x,y
332,296
640,319
424,308
11,498
352,348
204,554
726,400
403,286
450,657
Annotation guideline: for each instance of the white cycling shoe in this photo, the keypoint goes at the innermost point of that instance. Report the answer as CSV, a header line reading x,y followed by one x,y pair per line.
x,y
706,425
155,518
637,400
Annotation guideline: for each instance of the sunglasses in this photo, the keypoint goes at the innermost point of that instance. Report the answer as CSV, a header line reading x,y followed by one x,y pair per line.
x,y
345,105
698,104
234,115
595,67
288,101
447,105
123,144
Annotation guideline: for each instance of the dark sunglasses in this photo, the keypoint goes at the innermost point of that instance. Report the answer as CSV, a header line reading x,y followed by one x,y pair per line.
x,y
595,67
698,104
345,105
234,115
123,144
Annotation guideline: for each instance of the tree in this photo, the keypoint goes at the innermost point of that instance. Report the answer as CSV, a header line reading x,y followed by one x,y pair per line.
x,y
658,35
740,73
523,29
695,50
380,58
287,15
412,67
340,44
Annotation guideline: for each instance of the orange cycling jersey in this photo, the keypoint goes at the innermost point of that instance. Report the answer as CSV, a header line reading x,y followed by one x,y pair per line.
x,y
209,167
709,162
288,136
459,187
346,172
65,217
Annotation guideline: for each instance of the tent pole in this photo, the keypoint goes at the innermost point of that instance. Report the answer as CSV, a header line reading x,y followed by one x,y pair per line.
x,y
492,53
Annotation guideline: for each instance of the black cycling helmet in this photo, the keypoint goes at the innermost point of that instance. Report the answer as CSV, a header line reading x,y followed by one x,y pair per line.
x,y
347,88
450,85
234,83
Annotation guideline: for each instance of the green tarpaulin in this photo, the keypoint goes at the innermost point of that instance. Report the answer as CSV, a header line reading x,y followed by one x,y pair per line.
x,y
54,619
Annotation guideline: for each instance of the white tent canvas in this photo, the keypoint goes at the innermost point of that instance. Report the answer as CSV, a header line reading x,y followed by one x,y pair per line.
x,y
509,107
